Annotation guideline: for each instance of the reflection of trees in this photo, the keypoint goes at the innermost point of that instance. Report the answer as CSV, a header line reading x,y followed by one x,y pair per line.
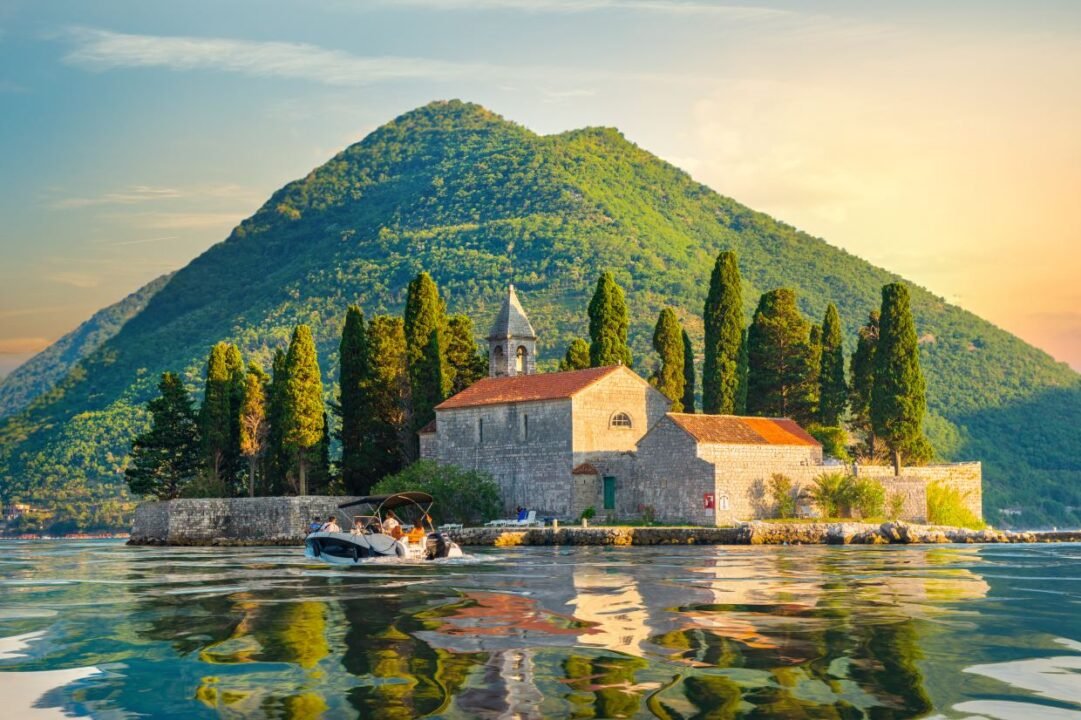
x,y
603,687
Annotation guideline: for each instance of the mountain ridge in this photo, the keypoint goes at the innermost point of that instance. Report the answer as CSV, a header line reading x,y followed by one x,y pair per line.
x,y
478,201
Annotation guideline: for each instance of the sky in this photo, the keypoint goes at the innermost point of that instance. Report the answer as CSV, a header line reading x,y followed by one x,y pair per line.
x,y
940,140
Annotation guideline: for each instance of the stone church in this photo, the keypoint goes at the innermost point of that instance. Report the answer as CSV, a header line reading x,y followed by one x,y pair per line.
x,y
604,438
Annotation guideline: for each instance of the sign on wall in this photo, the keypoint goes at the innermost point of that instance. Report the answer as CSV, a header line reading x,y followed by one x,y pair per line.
x,y
708,501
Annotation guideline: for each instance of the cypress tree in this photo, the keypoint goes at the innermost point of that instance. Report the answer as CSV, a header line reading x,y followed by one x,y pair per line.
x,y
688,374
812,377
608,324
465,365
832,389
354,379
577,356
425,320
743,369
668,342
279,461
319,476
234,363
166,457
723,317
778,351
304,413
387,437
215,415
862,372
254,421
898,395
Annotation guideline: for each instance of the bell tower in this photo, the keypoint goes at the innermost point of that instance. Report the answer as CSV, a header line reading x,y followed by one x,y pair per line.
x,y
512,344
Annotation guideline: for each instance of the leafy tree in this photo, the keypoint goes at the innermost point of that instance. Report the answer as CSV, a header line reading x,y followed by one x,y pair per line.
x,y
608,323
354,384
688,374
577,356
279,459
234,363
898,396
784,495
724,328
465,496
254,423
834,441
833,390
388,433
668,342
167,456
216,415
465,365
778,356
425,320
304,414
862,373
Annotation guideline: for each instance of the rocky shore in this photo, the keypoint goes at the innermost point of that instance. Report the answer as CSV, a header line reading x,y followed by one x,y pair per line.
x,y
754,533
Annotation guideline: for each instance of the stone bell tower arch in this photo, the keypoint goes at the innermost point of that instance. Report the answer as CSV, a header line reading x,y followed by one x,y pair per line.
x,y
512,343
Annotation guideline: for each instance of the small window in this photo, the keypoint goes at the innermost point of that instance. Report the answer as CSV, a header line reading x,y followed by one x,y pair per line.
x,y
519,360
480,430
525,427
621,420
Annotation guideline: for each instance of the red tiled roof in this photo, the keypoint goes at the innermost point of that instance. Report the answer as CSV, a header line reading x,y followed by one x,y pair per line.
x,y
736,430
520,388
427,429
585,469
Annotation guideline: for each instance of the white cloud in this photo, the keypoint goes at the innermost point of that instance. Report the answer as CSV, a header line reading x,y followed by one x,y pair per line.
x,y
127,196
80,280
105,50
667,7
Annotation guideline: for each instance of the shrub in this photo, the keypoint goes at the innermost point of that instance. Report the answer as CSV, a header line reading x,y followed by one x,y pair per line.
x,y
895,507
839,495
834,441
205,485
465,496
648,514
588,513
784,499
946,506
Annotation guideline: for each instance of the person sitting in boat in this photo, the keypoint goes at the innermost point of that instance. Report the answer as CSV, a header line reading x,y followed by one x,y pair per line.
x,y
417,534
331,525
391,525
315,525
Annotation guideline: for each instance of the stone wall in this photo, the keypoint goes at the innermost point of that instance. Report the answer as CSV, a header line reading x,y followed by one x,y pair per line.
x,y
594,407
670,478
230,521
525,446
913,481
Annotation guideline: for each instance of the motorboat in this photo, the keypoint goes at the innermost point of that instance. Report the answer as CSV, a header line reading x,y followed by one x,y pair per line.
x,y
373,534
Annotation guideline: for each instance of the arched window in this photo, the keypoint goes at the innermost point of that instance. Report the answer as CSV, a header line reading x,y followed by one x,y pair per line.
x,y
621,420
497,360
519,359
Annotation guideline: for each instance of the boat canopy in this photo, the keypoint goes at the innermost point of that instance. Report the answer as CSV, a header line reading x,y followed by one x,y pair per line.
x,y
392,501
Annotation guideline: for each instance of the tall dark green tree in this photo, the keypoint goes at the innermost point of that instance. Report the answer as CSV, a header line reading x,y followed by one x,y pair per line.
x,y
425,321
832,388
354,385
668,342
862,380
254,422
899,393
465,364
216,415
278,459
688,374
304,412
234,363
167,456
608,324
811,376
778,354
723,317
576,357
388,435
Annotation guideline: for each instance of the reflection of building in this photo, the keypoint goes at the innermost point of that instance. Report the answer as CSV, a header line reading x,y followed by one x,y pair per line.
x,y
612,604
602,438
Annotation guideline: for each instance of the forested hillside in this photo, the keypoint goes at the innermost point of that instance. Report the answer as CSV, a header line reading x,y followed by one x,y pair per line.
x,y
480,202
40,373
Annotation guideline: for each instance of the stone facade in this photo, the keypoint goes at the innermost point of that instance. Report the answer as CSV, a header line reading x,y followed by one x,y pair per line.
x,y
230,521
913,481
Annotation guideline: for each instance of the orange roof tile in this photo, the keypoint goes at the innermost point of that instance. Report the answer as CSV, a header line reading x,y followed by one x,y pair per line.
x,y
522,388
427,429
736,430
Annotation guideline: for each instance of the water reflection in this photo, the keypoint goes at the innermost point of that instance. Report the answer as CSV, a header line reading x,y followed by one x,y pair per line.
x,y
583,633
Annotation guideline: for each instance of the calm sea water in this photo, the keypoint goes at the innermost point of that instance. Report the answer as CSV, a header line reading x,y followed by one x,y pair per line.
x,y
98,629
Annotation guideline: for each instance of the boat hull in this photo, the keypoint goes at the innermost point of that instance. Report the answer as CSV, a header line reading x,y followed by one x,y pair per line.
x,y
350,549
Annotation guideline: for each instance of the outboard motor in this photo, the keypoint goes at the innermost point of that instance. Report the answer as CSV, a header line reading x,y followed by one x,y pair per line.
x,y
436,545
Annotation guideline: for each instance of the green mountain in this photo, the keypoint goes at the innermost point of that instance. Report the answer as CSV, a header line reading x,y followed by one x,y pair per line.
x,y
40,373
479,202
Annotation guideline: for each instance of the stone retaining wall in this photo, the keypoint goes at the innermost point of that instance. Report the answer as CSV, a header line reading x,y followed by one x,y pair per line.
x,y
230,521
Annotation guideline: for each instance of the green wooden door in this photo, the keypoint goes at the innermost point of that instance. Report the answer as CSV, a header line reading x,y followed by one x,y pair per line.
x,y
609,492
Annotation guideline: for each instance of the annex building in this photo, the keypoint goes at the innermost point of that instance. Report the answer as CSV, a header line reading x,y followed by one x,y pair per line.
x,y
604,438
